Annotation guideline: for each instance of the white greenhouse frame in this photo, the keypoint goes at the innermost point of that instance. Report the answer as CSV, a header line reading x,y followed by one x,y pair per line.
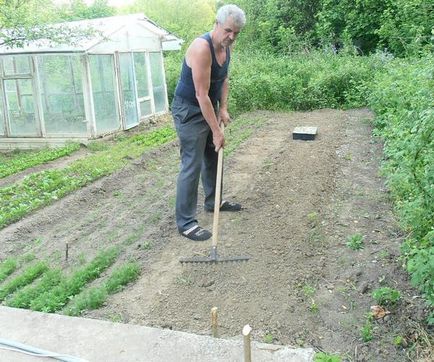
x,y
109,82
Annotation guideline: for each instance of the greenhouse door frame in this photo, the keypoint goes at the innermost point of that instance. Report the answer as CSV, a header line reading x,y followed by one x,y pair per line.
x,y
122,112
32,76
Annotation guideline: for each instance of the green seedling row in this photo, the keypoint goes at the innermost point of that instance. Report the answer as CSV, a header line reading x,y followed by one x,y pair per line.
x,y
57,297
44,187
7,267
27,277
23,297
121,276
23,161
94,298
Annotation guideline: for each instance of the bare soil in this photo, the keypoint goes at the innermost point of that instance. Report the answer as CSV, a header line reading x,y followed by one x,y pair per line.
x,y
302,199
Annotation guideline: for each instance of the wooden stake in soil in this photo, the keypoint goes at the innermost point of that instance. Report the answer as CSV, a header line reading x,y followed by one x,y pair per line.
x,y
66,251
247,345
214,322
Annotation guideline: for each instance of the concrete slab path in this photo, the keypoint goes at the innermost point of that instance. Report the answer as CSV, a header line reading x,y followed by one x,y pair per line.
x,y
95,340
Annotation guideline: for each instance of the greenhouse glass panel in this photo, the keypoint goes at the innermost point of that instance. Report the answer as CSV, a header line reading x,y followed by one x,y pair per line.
x,y
128,90
141,75
145,108
158,81
2,118
102,72
62,94
21,108
14,65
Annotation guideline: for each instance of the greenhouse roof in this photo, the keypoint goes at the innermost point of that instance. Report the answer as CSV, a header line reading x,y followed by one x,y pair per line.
x,y
104,30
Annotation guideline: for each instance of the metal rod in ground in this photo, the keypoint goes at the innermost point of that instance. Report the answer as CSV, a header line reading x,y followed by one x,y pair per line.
x,y
247,345
214,322
66,251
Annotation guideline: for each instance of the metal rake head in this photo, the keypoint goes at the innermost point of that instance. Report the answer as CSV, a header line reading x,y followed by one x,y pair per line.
x,y
213,258
210,260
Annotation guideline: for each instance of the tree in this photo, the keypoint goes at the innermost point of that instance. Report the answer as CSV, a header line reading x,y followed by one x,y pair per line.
x,y
78,10
407,27
26,21
185,18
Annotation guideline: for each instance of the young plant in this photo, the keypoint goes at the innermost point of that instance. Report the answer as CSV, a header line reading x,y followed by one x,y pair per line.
x,y
325,357
94,298
42,188
27,277
7,267
367,330
268,338
23,160
355,242
54,299
25,296
122,276
386,296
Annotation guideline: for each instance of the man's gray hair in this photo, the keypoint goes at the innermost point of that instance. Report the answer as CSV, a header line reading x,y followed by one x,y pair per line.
x,y
232,11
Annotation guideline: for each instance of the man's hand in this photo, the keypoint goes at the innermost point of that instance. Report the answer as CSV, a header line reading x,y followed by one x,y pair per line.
x,y
224,116
218,139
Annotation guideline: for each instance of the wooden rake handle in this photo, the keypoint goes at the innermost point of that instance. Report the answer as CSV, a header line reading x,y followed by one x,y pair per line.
x,y
218,191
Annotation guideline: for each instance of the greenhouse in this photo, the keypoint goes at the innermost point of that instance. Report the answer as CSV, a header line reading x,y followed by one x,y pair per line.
x,y
108,82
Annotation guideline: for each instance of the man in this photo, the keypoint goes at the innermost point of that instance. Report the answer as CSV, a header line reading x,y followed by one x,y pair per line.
x,y
199,105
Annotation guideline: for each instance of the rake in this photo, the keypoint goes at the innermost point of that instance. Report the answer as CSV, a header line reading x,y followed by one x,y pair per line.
x,y
214,257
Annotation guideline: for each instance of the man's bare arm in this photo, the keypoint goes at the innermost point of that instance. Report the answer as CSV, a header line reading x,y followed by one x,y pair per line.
x,y
199,60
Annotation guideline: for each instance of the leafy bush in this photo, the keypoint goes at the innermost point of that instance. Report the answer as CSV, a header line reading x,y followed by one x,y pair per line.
x,y
402,98
261,80
303,82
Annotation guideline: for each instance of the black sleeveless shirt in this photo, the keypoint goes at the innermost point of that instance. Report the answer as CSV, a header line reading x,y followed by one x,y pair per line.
x,y
185,87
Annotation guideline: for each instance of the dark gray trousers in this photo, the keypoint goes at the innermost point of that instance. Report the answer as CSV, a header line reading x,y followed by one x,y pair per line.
x,y
198,160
